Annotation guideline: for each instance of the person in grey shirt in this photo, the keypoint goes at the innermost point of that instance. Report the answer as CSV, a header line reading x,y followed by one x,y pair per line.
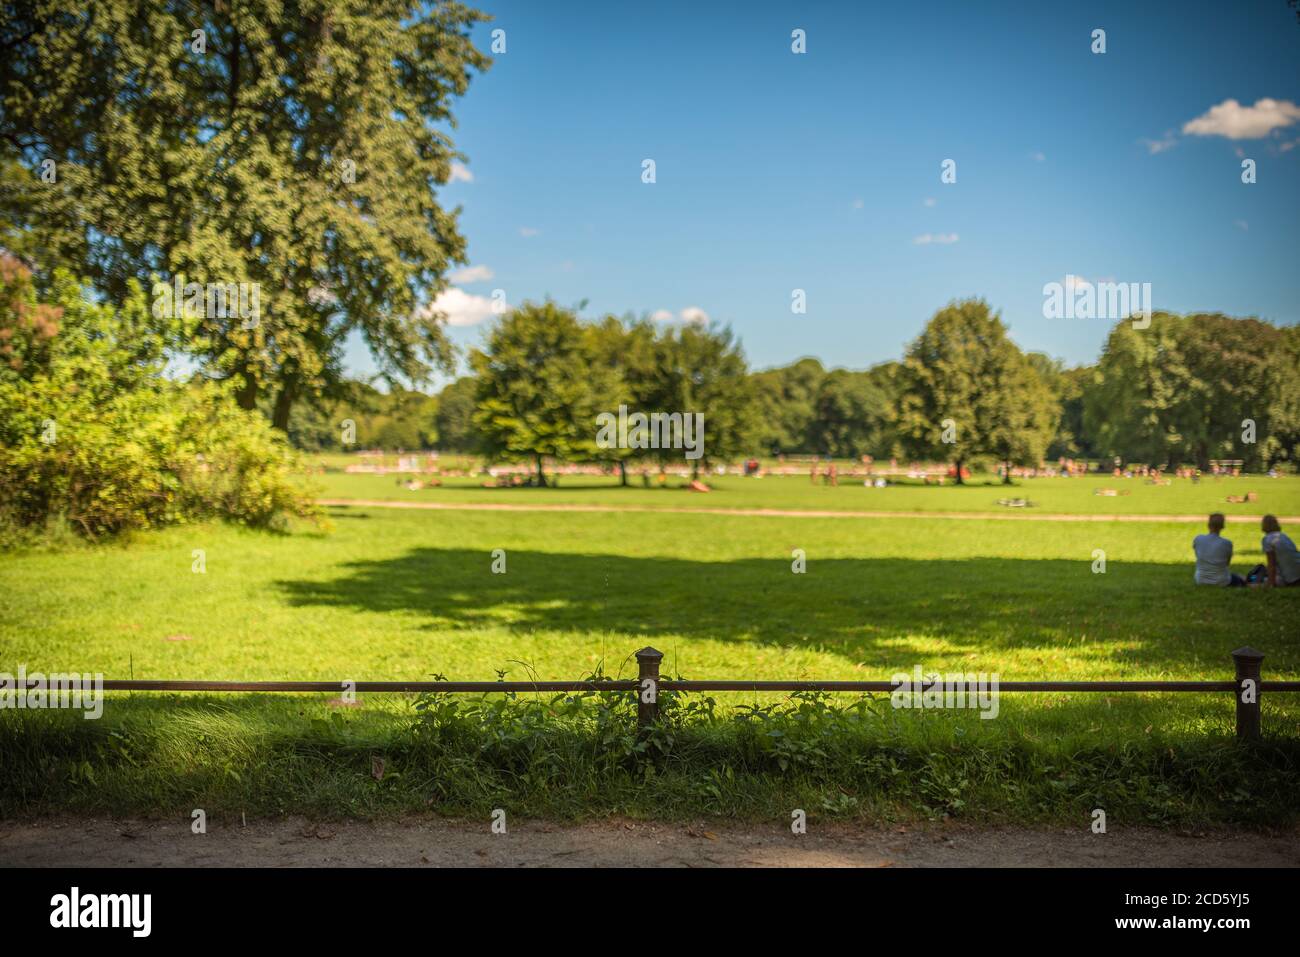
x,y
1283,558
1213,555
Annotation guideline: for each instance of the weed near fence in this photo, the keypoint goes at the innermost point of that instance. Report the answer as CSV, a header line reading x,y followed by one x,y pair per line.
x,y
582,754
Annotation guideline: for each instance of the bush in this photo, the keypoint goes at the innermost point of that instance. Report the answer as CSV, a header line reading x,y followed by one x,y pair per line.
x,y
95,436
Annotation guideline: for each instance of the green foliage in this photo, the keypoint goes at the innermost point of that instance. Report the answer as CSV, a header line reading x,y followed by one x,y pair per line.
x,y
1179,391
580,757
454,421
626,352
786,398
851,415
294,145
540,387
1286,407
312,428
93,434
397,420
805,409
702,370
400,419
964,370
1067,387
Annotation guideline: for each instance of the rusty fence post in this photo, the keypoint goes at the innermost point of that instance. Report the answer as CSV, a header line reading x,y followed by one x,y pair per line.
x,y
647,701
1247,660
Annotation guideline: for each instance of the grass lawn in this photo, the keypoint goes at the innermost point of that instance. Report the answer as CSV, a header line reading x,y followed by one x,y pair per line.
x,y
401,594
392,594
1281,496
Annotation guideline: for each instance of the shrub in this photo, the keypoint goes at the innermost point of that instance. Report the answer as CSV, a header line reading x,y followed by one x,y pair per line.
x,y
95,435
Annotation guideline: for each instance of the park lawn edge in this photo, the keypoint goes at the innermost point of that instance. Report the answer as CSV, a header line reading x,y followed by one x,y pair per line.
x,y
295,756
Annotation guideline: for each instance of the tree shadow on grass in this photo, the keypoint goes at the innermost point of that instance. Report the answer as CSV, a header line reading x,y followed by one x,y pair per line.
x,y
874,611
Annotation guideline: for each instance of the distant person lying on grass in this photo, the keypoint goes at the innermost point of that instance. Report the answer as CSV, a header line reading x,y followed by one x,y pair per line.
x,y
1213,555
1283,558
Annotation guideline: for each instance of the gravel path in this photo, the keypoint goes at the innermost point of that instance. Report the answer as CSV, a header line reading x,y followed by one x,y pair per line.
x,y
435,842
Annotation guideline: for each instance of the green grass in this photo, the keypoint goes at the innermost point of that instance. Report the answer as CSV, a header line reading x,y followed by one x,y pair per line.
x,y
399,594
392,594
560,758
1281,496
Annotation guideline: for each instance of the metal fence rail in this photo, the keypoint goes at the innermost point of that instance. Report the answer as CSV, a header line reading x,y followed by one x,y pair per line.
x,y
1246,688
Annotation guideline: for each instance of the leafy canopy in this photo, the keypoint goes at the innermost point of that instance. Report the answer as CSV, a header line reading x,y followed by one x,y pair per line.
x,y
295,144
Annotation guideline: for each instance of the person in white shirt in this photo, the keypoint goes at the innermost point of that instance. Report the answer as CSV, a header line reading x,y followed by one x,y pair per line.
x,y
1283,558
1213,555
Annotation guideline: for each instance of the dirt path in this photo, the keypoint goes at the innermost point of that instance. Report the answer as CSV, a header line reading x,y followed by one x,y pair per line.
x,y
1024,515
434,842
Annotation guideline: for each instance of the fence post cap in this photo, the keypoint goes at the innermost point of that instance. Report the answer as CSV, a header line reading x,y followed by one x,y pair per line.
x,y
651,654
1247,653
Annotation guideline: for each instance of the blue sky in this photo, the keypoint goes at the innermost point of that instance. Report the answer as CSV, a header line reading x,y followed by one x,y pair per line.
x,y
821,171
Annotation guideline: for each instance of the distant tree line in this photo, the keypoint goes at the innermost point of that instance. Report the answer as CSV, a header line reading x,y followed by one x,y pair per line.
x,y
1183,391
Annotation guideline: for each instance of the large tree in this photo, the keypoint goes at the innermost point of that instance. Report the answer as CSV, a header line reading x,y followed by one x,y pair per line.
x,y
1236,383
292,144
1286,408
624,350
1130,408
968,392
1182,389
702,370
539,387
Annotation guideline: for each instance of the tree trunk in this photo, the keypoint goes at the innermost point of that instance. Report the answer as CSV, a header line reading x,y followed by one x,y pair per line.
x,y
622,472
284,400
246,394
541,475
1006,473
283,406
960,463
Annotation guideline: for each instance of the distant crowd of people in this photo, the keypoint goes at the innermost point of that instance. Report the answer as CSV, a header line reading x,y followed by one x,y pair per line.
x,y
1214,558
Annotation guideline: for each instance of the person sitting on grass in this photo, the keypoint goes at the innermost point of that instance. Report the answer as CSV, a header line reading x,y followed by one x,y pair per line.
x,y
1283,558
1213,555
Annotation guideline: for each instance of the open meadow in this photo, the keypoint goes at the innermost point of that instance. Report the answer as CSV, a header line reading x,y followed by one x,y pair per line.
x,y
1081,495
395,593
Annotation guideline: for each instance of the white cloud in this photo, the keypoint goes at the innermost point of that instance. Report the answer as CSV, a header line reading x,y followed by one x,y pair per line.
x,y
461,308
689,314
1073,283
1166,142
528,232
926,239
1238,122
470,274
1287,147
460,173
930,201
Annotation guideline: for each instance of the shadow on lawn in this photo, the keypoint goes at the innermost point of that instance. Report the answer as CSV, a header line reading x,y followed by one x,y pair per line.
x,y
865,610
